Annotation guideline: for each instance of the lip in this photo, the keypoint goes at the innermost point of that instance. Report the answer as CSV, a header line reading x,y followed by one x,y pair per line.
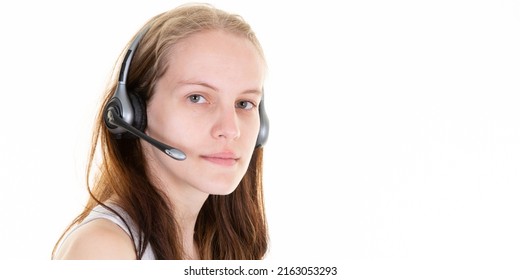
x,y
222,158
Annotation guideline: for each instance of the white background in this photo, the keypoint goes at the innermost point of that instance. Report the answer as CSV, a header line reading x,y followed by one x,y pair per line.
x,y
395,125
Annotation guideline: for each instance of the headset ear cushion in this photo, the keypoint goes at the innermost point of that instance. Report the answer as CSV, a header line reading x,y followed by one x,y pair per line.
x,y
139,111
263,134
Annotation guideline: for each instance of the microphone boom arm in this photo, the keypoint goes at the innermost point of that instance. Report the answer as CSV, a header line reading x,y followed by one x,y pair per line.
x,y
114,119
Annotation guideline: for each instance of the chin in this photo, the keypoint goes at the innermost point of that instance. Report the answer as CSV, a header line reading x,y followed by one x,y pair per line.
x,y
220,188
220,184
223,191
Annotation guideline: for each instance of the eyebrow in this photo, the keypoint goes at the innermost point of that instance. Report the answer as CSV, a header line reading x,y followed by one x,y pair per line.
x,y
204,84
197,83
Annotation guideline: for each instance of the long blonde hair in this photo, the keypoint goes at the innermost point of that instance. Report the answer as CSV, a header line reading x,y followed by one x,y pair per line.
x,y
228,227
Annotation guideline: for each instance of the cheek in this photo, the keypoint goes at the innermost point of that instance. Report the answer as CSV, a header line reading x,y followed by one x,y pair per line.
x,y
250,132
164,122
177,129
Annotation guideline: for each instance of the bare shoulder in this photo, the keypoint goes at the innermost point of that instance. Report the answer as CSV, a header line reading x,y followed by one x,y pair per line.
x,y
96,240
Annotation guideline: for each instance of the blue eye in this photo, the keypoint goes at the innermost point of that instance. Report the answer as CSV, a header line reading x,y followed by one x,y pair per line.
x,y
197,98
247,105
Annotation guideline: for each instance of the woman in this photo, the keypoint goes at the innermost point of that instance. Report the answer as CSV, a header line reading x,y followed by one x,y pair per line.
x,y
192,78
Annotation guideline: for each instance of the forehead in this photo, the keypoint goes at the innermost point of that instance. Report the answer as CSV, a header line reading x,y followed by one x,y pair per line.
x,y
216,54
214,38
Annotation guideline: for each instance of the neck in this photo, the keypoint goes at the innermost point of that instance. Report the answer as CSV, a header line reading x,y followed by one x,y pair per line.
x,y
186,202
184,198
186,211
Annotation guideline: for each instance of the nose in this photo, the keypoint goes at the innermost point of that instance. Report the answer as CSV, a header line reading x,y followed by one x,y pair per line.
x,y
226,125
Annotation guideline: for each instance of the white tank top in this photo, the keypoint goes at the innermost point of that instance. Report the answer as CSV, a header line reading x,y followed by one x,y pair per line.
x,y
100,212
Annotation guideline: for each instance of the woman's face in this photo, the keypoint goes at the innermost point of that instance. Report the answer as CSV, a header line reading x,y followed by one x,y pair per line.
x,y
206,105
